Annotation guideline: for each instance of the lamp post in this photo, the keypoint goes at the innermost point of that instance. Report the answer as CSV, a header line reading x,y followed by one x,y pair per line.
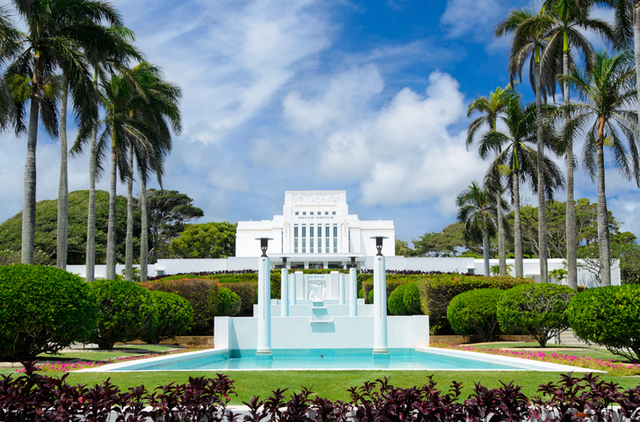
x,y
284,288
353,288
380,343
263,350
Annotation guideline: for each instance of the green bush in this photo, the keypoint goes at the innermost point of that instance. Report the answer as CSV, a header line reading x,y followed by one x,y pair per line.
x,y
125,312
538,309
370,297
405,300
201,293
473,313
395,305
248,293
609,316
229,304
174,317
42,310
436,292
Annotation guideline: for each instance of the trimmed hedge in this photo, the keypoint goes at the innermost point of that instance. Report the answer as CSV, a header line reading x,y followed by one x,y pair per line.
x,y
126,312
609,316
229,304
538,309
174,316
437,292
405,300
248,293
474,313
42,310
202,295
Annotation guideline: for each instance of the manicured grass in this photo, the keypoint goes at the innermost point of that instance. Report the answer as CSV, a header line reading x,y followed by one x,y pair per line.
x,y
333,384
593,352
96,355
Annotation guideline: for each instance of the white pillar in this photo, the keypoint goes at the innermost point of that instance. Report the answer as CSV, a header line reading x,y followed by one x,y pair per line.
x,y
379,306
341,291
284,292
353,289
264,306
297,276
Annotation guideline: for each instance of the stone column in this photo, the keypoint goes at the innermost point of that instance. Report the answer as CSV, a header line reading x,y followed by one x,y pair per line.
x,y
294,287
353,289
284,292
341,291
379,306
264,307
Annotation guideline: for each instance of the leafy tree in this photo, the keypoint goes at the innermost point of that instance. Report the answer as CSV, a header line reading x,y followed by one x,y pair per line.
x,y
42,310
46,220
530,36
538,309
403,249
169,210
606,93
622,248
444,244
207,240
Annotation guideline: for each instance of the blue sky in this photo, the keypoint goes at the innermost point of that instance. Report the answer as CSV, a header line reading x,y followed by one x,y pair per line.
x,y
364,96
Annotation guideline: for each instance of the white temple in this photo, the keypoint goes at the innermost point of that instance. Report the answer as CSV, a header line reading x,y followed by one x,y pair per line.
x,y
315,230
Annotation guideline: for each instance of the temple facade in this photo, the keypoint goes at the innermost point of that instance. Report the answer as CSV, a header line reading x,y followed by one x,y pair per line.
x,y
316,230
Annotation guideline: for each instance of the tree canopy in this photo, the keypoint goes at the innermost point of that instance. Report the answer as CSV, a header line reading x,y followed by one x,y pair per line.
x,y
207,240
46,221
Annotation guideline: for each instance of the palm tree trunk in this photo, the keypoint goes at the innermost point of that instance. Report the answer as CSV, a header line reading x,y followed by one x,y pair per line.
x,y
603,219
29,192
571,238
111,227
144,233
63,187
91,214
485,253
502,250
542,221
517,229
128,263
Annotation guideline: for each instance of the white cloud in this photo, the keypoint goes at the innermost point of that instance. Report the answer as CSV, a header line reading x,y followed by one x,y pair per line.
x,y
403,152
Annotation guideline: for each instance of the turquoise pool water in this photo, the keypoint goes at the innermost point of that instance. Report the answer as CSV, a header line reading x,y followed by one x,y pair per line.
x,y
317,359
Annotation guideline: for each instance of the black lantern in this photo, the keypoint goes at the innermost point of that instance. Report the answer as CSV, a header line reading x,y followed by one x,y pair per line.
x,y
284,262
379,243
264,243
353,262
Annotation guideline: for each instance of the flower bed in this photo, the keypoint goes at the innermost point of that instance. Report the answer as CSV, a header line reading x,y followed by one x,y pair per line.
x,y
610,366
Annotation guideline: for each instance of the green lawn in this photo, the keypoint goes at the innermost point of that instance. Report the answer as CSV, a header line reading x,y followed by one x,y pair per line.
x,y
330,384
333,384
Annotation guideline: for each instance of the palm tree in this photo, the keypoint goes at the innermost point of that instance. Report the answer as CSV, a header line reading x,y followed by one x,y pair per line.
x,y
530,32
518,160
53,40
91,36
606,93
155,105
115,50
571,17
493,107
477,211
134,118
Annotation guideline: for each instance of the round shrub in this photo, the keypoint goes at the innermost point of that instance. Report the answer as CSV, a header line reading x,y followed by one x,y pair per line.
x,y
474,313
609,316
396,301
405,300
370,297
411,299
537,309
201,293
42,310
125,313
173,315
229,304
